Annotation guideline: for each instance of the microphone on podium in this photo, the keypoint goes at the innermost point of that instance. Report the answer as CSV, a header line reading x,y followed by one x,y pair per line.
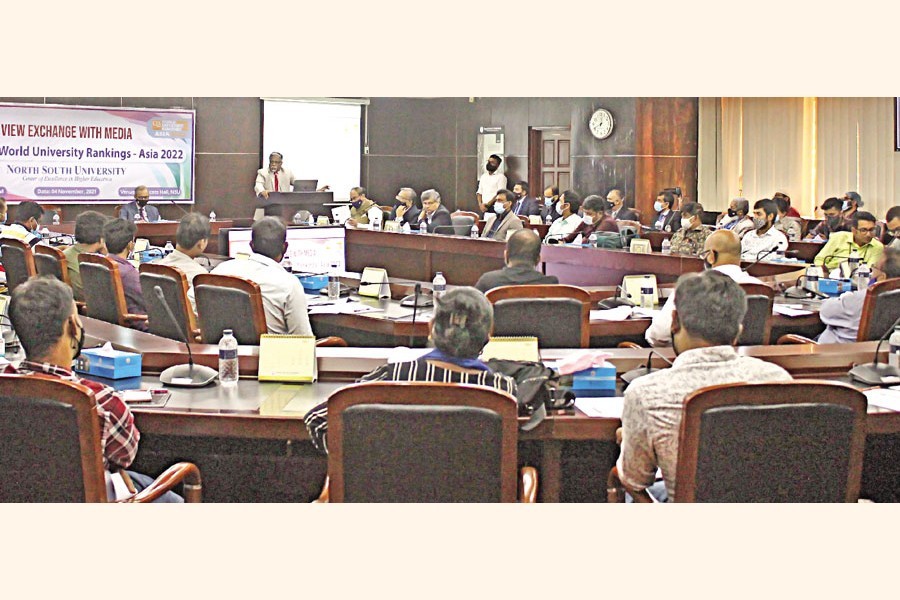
x,y
189,375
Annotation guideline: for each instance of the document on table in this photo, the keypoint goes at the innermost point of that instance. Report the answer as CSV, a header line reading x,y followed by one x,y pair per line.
x,y
790,310
342,307
888,398
610,408
619,313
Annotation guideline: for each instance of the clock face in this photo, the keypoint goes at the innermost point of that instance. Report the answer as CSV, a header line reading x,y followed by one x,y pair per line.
x,y
601,124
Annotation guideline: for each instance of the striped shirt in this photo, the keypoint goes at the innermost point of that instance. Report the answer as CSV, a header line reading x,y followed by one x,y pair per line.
x,y
422,369
118,436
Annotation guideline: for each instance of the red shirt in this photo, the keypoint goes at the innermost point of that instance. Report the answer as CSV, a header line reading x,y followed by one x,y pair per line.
x,y
792,212
118,435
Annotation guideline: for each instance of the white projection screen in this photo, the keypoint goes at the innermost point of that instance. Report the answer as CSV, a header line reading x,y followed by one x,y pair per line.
x,y
319,138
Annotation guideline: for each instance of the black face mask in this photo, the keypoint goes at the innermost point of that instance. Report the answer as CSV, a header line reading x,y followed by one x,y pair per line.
x,y
732,212
491,167
80,343
834,221
518,196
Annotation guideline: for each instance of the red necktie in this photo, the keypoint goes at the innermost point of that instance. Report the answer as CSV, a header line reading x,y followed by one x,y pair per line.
x,y
276,182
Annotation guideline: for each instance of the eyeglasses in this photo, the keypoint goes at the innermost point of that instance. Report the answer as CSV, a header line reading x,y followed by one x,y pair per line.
x,y
866,229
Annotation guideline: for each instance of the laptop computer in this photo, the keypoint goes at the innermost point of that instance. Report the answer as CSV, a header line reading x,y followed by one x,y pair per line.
x,y
305,185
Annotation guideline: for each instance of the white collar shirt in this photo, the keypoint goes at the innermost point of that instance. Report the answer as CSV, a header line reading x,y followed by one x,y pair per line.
x,y
489,184
562,227
754,245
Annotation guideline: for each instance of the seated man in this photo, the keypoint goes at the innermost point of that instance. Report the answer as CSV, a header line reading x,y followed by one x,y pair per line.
x,y
705,356
722,253
764,241
88,239
667,219
43,313
851,203
406,209
618,210
692,235
140,209
594,219
551,195
191,240
524,205
832,222
737,218
459,329
892,229
841,315
565,211
505,220
434,214
24,227
362,210
118,235
790,211
523,252
860,238
2,210
283,297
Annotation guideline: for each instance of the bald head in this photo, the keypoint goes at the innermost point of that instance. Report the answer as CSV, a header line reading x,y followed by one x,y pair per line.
x,y
724,248
523,248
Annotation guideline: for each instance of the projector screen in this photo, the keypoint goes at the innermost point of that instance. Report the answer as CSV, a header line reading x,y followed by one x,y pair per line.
x,y
318,139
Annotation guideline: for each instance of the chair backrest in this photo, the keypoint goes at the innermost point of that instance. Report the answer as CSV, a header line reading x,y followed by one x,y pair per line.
x,y
757,323
421,442
18,262
462,224
880,309
49,441
228,302
465,213
104,295
799,441
51,261
174,286
559,315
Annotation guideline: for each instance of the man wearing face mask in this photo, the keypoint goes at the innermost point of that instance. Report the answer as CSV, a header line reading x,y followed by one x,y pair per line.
x,y
722,253
841,315
737,218
140,207
491,181
832,222
505,221
43,313
594,218
567,219
764,237
405,207
618,210
524,205
24,227
791,211
860,238
891,237
666,218
551,195
850,203
692,235
362,210
705,356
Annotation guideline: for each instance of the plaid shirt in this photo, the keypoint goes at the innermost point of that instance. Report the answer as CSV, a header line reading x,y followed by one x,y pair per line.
x,y
118,437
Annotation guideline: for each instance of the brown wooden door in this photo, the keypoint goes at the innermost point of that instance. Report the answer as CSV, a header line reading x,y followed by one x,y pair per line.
x,y
550,159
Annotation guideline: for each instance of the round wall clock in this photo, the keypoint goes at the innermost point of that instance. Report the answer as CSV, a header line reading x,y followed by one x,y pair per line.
x,y
601,124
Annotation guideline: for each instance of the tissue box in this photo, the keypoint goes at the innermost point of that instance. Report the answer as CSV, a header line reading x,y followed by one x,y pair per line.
x,y
112,364
595,382
834,287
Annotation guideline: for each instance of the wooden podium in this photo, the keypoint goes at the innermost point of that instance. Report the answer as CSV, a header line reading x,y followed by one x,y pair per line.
x,y
285,204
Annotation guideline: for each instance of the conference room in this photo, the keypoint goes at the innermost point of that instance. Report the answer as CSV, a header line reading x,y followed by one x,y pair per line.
x,y
371,282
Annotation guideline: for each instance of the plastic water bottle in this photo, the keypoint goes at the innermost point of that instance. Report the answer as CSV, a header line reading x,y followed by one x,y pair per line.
x,y
376,221
423,227
647,292
592,240
45,233
853,262
334,283
474,232
549,219
863,273
311,222
56,218
666,246
298,218
168,248
894,356
228,359
812,278
438,285
212,216
286,264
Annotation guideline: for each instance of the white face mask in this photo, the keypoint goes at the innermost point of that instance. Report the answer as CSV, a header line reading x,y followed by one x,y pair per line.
x,y
548,201
685,223
588,220
845,205
657,206
499,208
558,208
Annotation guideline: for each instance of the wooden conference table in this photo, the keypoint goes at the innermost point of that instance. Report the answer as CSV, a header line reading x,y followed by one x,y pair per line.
x,y
251,446
159,232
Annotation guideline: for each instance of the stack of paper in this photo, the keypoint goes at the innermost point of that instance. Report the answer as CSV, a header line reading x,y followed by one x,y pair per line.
x,y
609,408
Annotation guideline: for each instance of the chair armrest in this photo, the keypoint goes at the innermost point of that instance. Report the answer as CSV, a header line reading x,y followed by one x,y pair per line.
x,y
629,345
323,495
331,340
180,472
615,491
198,335
793,338
134,317
528,485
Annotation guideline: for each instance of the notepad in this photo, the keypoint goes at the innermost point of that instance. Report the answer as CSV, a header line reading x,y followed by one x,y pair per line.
x,y
289,358
374,283
512,348
609,408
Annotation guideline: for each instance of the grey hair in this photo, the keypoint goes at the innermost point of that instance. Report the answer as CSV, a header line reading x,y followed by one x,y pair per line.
x,y
462,322
431,194
742,204
38,310
699,295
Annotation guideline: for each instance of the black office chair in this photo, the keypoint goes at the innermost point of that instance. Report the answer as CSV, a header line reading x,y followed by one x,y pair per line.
x,y
559,315
18,262
880,308
462,224
227,302
174,286
757,323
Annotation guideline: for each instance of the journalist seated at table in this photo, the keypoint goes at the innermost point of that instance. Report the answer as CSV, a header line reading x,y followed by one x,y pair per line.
x,y
705,356
566,218
119,237
595,218
841,315
860,238
191,240
523,252
459,329
505,220
44,315
88,240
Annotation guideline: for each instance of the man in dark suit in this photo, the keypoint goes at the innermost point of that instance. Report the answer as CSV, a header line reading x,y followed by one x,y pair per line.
x,y
524,204
523,252
667,219
434,214
618,210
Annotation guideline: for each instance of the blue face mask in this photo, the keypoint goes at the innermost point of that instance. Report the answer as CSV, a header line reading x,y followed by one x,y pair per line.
x,y
499,208
658,206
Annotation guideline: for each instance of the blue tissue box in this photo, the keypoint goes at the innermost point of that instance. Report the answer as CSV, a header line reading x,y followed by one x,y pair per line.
x,y
595,382
834,287
112,364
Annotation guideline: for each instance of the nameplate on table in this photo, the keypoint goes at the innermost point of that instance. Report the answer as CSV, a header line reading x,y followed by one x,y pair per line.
x,y
374,283
512,348
287,358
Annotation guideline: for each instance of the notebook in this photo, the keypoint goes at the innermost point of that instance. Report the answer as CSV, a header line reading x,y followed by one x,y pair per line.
x,y
512,348
289,358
